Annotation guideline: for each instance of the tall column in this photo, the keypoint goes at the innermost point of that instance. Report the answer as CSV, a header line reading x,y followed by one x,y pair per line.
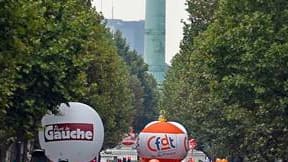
x,y
154,39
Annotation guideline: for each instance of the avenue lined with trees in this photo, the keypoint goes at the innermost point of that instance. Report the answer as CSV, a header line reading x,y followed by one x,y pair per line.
x,y
228,85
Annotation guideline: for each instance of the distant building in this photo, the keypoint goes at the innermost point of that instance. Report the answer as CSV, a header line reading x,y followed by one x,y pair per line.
x,y
147,37
133,31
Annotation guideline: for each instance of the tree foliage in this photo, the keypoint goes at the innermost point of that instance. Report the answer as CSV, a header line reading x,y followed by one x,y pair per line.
x,y
232,89
181,89
52,52
44,53
143,85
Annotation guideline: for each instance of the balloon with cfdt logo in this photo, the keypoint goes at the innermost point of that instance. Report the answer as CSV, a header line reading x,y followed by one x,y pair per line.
x,y
165,141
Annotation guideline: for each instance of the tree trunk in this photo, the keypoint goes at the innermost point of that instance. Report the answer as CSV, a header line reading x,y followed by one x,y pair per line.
x,y
3,149
25,151
19,146
18,157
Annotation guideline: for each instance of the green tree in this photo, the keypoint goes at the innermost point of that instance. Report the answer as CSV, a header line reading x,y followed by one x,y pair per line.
x,y
52,52
185,97
150,101
235,79
43,43
109,92
246,46
143,84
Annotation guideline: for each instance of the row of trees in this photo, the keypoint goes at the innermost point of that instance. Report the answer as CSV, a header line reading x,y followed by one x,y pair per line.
x,y
143,85
228,84
53,52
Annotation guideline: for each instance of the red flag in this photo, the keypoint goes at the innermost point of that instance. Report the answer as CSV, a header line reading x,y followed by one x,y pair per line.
x,y
192,143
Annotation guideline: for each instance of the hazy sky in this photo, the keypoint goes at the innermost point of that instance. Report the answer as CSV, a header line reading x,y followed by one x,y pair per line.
x,y
135,10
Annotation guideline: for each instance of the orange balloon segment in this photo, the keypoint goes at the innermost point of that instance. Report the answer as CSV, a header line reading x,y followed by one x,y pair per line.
x,y
162,127
154,160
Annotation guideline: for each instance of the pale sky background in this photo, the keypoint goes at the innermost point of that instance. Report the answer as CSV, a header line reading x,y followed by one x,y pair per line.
x,y
135,10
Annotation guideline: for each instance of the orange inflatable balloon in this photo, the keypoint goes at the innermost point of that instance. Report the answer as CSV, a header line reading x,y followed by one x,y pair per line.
x,y
218,160
221,160
154,160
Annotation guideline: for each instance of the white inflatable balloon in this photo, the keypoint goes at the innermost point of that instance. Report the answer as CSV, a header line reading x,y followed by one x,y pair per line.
x,y
76,134
163,140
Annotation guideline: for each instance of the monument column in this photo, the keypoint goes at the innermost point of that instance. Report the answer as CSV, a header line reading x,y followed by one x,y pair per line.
x,y
154,39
